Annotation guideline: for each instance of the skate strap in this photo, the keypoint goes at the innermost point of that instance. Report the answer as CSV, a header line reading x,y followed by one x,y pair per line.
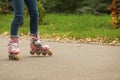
x,y
37,43
14,40
13,46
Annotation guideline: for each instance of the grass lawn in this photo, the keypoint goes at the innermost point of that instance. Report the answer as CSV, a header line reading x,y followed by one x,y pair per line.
x,y
69,26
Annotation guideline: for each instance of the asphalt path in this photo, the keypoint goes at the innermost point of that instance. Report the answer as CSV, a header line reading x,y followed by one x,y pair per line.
x,y
70,61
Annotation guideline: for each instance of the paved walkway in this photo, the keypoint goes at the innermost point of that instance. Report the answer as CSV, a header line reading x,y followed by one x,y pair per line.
x,y
69,62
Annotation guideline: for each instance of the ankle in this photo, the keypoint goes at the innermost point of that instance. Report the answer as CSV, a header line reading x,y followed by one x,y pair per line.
x,y
14,40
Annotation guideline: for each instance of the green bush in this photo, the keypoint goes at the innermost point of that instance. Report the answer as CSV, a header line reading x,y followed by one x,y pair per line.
x,y
41,12
77,6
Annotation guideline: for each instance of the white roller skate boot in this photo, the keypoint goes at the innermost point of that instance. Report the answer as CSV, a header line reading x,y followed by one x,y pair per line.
x,y
13,49
38,47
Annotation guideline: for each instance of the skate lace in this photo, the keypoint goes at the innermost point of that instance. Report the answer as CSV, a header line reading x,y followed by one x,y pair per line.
x,y
13,46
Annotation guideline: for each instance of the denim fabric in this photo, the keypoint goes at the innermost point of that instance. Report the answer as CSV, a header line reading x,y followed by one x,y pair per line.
x,y
19,14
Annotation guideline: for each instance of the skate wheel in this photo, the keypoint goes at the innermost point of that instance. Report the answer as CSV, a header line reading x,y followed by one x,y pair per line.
x,y
38,52
32,52
17,57
44,54
13,57
50,53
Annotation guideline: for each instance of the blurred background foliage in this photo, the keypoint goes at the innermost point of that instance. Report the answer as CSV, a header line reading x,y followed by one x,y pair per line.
x,y
97,7
65,6
77,6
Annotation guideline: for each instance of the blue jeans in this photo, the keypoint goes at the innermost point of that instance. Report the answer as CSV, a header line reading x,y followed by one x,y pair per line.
x,y
19,14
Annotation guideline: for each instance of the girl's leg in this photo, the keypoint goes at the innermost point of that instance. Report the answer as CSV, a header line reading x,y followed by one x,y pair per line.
x,y
18,6
13,47
33,11
36,45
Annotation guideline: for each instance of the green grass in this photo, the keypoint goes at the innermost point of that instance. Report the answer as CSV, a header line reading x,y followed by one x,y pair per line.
x,y
70,26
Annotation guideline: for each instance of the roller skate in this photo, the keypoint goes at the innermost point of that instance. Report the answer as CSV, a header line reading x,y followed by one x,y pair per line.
x,y
13,49
38,47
